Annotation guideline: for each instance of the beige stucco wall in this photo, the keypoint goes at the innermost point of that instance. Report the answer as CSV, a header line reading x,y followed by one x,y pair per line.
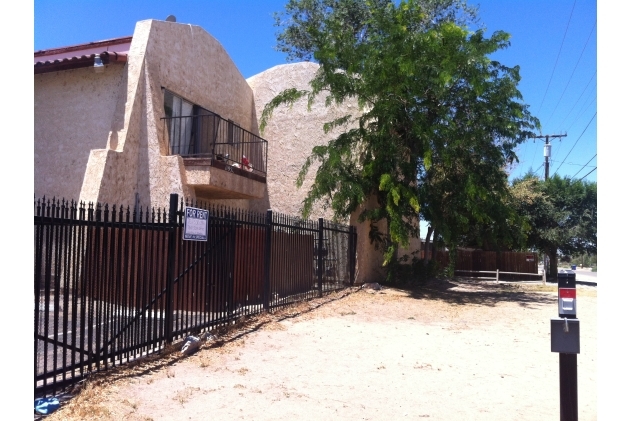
x,y
74,110
292,132
189,62
369,258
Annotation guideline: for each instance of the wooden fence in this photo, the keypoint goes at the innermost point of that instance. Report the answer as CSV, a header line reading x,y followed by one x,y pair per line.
x,y
478,260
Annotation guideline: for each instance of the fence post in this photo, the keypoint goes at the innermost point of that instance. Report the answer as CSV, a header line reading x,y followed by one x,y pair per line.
x,y
267,257
497,277
352,251
320,256
168,319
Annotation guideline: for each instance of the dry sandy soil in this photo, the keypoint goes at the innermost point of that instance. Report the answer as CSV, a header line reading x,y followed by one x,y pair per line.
x,y
452,350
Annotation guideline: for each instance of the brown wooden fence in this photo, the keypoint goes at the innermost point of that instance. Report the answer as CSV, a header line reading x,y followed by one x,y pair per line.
x,y
478,260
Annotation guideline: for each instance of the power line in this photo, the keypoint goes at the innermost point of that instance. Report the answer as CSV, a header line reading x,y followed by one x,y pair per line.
x,y
579,138
585,107
588,174
570,79
534,155
579,98
558,55
572,163
585,166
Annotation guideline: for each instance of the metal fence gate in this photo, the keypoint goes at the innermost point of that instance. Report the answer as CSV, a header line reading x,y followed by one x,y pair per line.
x,y
114,284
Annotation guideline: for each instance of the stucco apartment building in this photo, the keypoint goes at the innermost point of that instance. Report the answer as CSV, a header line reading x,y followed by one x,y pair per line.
x,y
131,120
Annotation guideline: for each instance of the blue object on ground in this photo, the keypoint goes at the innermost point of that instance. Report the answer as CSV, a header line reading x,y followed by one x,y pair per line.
x,y
46,406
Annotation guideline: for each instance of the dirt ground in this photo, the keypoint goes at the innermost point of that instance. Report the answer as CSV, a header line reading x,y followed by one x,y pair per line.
x,y
452,350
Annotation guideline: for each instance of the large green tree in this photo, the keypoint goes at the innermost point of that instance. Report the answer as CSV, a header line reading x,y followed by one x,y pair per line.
x,y
561,215
439,120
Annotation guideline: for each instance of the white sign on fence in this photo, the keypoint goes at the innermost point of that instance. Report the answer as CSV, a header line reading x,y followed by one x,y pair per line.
x,y
195,224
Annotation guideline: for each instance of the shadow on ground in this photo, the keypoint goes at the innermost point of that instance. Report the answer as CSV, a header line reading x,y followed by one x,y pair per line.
x,y
463,292
171,355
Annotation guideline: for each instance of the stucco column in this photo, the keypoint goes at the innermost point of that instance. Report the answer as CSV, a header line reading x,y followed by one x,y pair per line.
x,y
369,259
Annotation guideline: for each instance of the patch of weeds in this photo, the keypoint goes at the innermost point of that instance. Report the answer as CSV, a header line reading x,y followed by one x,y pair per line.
x,y
82,407
183,396
423,366
134,405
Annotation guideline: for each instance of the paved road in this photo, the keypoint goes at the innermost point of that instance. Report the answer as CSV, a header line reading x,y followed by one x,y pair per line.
x,y
585,276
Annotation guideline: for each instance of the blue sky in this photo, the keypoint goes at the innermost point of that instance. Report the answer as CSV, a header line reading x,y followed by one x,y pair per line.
x,y
553,42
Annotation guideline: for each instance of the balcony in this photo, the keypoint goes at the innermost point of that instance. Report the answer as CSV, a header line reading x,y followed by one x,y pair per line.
x,y
222,160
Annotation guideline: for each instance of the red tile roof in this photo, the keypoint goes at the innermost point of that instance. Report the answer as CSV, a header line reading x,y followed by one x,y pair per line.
x,y
75,56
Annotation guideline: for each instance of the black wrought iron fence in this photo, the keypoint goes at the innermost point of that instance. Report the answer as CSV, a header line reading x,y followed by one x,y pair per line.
x,y
209,135
113,284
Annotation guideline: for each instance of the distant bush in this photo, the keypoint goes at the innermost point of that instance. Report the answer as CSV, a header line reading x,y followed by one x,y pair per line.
x,y
412,272
594,269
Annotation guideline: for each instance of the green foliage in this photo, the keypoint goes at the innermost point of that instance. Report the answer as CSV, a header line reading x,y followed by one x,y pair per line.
x,y
439,119
413,272
560,213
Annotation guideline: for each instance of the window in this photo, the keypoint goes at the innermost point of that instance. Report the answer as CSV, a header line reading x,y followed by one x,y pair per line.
x,y
180,126
190,127
234,133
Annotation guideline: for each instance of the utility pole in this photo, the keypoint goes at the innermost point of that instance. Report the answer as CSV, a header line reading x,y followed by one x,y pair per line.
x,y
547,148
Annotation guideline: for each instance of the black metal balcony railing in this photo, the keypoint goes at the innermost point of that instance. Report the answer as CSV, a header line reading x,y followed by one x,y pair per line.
x,y
209,135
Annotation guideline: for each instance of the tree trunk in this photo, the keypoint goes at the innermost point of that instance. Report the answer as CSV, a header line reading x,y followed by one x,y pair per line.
x,y
430,230
453,257
553,263
395,251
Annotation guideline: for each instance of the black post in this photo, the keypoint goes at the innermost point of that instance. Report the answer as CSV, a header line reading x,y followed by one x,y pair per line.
x,y
320,254
168,320
352,252
568,373
568,390
267,263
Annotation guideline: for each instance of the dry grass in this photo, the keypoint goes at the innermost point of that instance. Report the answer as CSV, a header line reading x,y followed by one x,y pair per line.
x,y
183,396
274,326
83,405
